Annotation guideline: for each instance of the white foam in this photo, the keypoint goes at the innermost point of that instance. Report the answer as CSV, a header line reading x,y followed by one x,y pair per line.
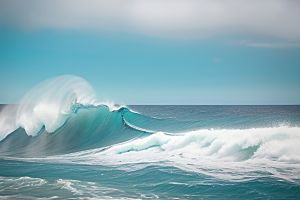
x,y
282,143
67,184
22,182
156,139
287,150
236,155
86,189
111,105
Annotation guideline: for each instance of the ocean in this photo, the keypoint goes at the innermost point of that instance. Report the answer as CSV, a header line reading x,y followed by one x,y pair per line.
x,y
88,150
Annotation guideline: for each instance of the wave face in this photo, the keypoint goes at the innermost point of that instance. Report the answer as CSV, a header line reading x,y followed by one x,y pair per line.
x,y
60,140
91,127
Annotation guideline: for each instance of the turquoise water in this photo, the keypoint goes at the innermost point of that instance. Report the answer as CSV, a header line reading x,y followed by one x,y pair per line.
x,y
155,152
60,142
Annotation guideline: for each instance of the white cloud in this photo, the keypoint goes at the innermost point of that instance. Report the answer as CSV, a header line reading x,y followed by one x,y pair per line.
x,y
177,19
274,45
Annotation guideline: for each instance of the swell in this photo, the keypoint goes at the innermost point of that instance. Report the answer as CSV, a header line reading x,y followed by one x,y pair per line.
x,y
91,127
121,130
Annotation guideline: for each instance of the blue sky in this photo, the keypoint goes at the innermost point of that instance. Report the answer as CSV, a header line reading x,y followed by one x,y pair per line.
x,y
157,52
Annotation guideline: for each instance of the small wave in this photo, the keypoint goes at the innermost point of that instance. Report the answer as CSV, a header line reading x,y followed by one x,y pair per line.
x,y
135,127
281,143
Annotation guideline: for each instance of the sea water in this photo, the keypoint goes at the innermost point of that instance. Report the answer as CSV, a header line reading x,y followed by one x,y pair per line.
x,y
87,150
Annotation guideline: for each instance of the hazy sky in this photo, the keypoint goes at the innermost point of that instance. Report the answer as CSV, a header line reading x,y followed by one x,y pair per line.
x,y
155,51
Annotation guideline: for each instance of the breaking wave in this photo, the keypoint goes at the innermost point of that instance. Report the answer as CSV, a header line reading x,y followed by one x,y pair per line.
x,y
61,116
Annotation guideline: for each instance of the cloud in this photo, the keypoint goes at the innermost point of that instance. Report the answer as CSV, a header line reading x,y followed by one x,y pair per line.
x,y
175,19
274,45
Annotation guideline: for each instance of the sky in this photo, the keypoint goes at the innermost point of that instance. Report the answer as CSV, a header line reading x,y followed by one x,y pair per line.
x,y
162,52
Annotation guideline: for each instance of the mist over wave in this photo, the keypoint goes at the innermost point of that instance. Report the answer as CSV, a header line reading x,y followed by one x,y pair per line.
x,y
48,105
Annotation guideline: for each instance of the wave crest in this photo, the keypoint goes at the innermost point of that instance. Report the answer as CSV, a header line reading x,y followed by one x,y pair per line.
x,y
49,102
281,143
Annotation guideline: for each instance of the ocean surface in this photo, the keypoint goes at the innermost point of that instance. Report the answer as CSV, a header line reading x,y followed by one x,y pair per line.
x,y
70,147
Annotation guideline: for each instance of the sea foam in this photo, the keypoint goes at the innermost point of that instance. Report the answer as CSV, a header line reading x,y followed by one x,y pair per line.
x,y
278,143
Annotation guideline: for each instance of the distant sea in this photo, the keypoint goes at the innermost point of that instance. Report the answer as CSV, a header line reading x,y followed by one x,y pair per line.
x,y
153,152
